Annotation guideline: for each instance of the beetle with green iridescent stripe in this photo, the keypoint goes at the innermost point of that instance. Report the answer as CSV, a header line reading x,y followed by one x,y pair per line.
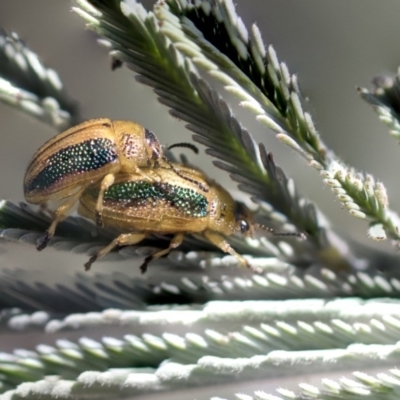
x,y
93,151
173,205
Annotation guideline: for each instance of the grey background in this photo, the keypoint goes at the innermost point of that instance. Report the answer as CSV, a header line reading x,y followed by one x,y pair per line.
x,y
333,46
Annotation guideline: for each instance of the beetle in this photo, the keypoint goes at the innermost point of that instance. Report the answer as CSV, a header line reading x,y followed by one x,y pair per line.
x,y
173,205
93,151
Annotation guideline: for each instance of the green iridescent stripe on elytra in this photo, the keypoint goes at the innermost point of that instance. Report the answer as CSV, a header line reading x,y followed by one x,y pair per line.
x,y
187,200
73,160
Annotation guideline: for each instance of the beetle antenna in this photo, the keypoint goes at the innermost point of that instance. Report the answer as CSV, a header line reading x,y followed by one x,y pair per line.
x,y
185,145
178,172
300,235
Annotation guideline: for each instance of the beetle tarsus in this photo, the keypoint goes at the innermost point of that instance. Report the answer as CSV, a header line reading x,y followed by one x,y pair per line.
x,y
256,270
43,241
90,262
99,219
143,267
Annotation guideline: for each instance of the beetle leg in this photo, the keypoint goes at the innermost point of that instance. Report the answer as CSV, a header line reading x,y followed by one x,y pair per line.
x,y
219,241
124,239
181,175
107,181
153,177
174,243
59,215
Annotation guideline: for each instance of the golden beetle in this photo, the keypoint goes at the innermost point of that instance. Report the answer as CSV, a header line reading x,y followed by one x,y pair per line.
x,y
173,205
93,151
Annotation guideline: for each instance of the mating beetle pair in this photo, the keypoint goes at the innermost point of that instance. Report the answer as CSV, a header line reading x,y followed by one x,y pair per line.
x,y
93,151
117,170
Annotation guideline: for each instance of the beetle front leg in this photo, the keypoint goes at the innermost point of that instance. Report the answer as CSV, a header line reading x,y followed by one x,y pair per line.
x,y
150,178
183,176
219,241
124,239
105,184
59,215
173,244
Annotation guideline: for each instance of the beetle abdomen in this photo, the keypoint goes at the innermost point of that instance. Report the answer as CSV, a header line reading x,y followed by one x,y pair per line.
x,y
70,161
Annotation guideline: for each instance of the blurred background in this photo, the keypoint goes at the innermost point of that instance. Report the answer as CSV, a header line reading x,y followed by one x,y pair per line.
x,y
332,46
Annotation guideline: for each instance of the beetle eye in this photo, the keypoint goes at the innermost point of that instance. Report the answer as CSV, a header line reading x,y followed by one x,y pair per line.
x,y
244,226
153,143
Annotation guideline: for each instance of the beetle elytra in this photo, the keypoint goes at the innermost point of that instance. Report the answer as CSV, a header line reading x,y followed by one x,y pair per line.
x,y
173,205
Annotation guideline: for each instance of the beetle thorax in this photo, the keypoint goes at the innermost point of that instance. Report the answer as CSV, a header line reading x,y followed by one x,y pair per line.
x,y
133,151
222,211
132,146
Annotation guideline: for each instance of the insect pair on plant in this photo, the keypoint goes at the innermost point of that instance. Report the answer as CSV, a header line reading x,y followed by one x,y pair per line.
x,y
122,179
